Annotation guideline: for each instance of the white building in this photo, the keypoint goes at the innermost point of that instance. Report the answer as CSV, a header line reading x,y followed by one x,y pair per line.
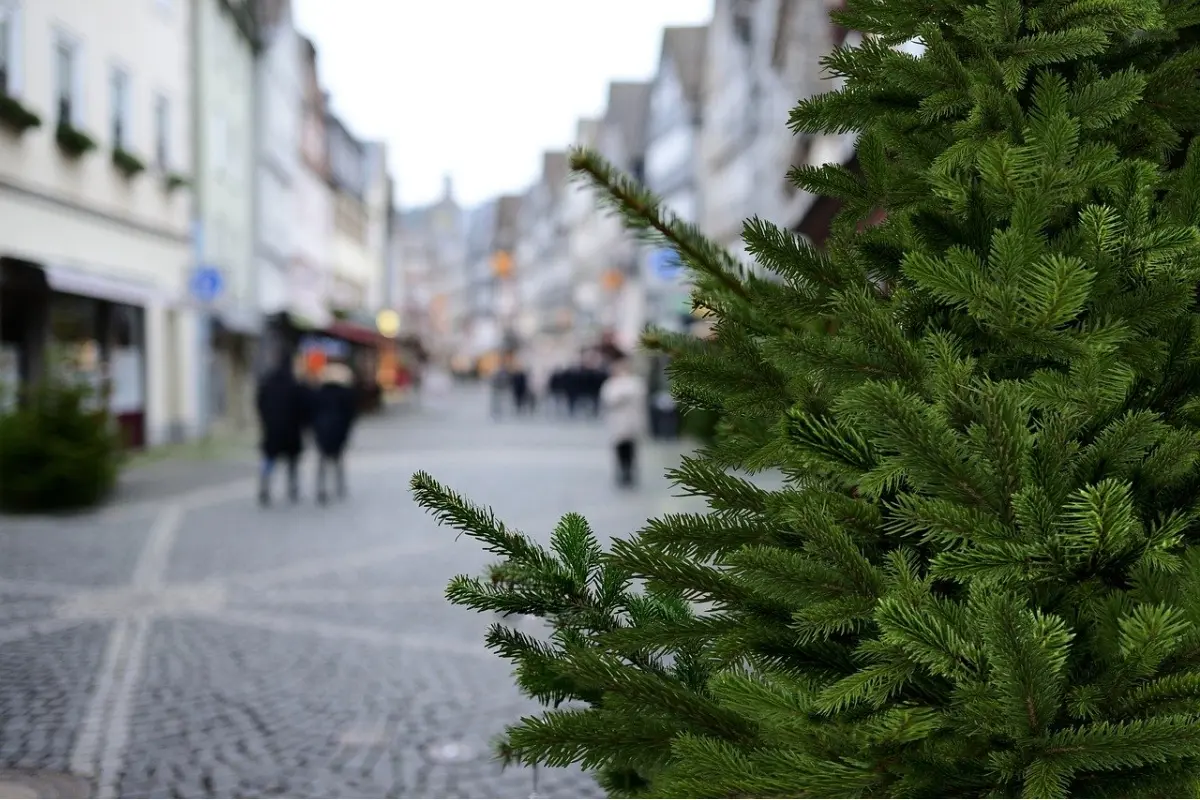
x,y
429,286
225,42
622,141
672,162
310,276
379,203
791,38
95,251
728,156
279,99
473,305
354,267
587,230
543,265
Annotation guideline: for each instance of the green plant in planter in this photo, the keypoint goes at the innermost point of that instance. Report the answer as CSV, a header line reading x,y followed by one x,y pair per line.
x,y
58,452
15,116
129,164
73,141
174,181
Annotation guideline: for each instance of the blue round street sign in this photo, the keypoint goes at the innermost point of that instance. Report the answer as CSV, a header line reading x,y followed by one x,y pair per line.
x,y
206,283
665,263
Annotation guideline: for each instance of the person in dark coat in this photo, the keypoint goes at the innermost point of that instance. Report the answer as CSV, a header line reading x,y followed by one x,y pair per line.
x,y
335,407
573,387
501,384
594,377
282,413
519,383
554,389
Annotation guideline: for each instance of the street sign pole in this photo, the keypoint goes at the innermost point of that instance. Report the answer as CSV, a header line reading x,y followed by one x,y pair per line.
x,y
200,341
205,286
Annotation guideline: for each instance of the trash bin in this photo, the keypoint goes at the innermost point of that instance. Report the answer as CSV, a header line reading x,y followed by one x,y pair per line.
x,y
664,416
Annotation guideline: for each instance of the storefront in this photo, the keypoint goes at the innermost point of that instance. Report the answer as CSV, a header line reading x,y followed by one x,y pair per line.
x,y
359,347
102,344
235,340
365,347
91,329
23,302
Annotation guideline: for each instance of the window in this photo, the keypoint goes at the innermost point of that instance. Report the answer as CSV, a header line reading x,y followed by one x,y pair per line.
x,y
10,42
162,133
68,86
118,90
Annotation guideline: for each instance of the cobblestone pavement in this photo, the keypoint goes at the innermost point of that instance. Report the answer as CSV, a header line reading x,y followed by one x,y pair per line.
x,y
198,646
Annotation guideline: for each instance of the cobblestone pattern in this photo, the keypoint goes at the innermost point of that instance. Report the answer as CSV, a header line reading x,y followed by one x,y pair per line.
x,y
295,651
45,684
75,551
237,713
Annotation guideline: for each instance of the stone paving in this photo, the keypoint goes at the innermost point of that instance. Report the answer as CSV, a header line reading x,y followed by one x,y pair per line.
x,y
195,645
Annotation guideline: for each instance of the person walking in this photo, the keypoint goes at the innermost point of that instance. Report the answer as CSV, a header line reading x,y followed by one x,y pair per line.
x,y
335,408
573,387
623,400
595,376
519,384
501,385
282,412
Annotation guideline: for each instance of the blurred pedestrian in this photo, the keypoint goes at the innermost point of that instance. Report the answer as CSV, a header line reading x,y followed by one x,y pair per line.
x,y
593,378
335,409
573,387
282,413
519,383
623,399
554,391
500,386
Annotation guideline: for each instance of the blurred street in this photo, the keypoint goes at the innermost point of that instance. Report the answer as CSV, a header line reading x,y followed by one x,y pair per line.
x,y
184,642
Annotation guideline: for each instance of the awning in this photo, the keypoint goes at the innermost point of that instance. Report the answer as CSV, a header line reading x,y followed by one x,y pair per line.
x,y
72,280
349,331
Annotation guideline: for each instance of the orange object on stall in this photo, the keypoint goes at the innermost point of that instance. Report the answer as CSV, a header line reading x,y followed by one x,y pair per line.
x,y
314,362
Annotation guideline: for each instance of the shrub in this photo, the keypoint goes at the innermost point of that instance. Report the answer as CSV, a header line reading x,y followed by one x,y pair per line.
x,y
57,452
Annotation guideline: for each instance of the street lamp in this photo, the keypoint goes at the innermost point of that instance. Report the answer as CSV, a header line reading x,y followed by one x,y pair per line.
x,y
387,322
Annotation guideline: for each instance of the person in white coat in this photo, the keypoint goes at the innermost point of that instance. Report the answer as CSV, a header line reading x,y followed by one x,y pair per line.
x,y
623,401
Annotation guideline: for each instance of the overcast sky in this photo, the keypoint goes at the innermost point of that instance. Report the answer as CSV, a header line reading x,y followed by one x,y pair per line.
x,y
479,88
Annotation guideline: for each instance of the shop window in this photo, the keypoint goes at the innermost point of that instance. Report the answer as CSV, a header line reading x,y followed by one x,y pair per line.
x,y
73,319
126,326
125,367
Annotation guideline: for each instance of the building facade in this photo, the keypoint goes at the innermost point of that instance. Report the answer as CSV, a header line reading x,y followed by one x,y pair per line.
x,y
95,211
354,266
543,266
379,205
280,92
792,37
310,273
225,46
728,154
622,141
586,226
673,164
430,273
476,297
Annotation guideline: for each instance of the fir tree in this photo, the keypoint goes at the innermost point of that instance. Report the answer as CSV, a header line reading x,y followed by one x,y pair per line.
x,y
982,577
